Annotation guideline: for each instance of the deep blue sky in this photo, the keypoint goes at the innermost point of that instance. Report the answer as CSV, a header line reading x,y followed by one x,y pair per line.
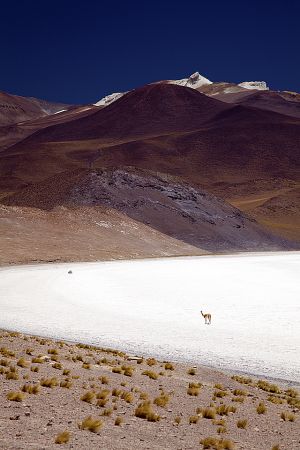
x,y
77,52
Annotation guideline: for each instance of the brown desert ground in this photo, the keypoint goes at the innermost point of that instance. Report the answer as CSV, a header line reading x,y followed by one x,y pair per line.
x,y
78,396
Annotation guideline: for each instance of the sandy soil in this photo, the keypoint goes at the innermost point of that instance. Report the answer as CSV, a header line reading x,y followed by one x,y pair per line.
x,y
36,421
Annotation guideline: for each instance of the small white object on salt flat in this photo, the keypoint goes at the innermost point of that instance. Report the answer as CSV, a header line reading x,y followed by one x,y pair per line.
x,y
153,307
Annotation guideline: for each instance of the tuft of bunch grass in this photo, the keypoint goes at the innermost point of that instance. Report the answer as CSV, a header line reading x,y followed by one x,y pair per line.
x,y
208,413
104,379
119,421
276,400
239,392
288,416
12,375
221,430
62,438
15,396
276,447
242,423
191,371
145,411
66,384
217,444
151,361
57,366
49,382
149,373
162,400
193,419
37,360
31,388
52,351
268,387
127,397
169,366
22,363
90,424
219,394
86,366
117,370
128,371
177,420
224,410
242,380
88,397
261,408
34,368
107,412
66,372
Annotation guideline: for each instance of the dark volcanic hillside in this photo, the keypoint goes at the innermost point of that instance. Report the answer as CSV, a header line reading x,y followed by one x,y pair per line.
x,y
166,132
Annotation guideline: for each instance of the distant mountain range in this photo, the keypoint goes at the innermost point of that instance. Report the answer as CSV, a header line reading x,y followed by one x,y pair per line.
x,y
172,168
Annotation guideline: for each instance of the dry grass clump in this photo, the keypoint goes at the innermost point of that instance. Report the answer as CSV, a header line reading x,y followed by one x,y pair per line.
x,y
117,370
221,430
193,419
128,371
169,366
162,400
217,444
219,394
107,412
62,438
149,373
34,368
238,399
292,393
144,396
52,351
15,396
57,366
31,388
208,413
116,392
119,421
93,425
88,397
219,386
22,363
104,379
239,392
276,447
127,396
242,423
177,420
49,382
268,387
66,372
276,400
191,371
86,366
242,380
145,411
288,416
66,384
194,389
102,395
292,398
12,374
261,408
102,402
224,410
7,353
4,362
37,360
151,361
29,351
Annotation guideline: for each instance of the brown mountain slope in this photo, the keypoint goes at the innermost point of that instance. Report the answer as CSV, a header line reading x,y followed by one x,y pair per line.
x,y
172,131
185,216
280,102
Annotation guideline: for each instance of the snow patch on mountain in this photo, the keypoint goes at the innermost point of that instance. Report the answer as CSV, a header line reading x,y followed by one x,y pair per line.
x,y
259,85
109,99
194,81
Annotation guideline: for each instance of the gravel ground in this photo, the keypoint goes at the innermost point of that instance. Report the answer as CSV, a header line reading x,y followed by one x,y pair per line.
x,y
36,421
